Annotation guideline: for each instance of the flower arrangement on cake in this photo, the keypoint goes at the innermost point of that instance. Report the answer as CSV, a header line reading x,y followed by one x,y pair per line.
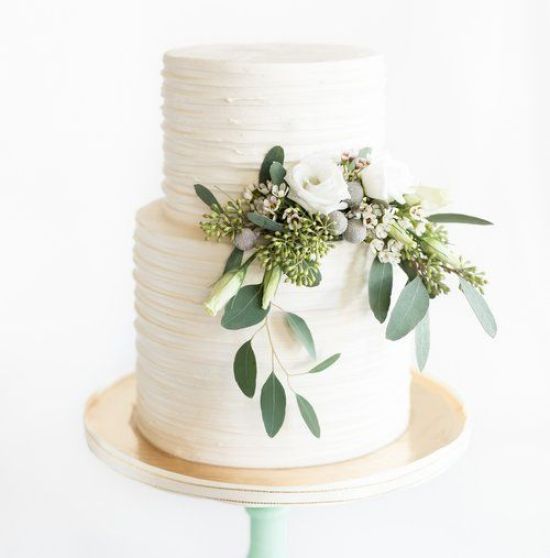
x,y
294,216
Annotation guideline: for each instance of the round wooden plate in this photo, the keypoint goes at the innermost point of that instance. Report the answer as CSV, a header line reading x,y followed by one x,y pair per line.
x,y
437,435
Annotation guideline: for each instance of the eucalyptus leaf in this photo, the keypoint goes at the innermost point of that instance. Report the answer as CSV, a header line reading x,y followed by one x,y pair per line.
x,y
244,369
479,306
323,365
457,218
273,405
301,332
277,154
380,287
264,222
308,414
315,272
364,152
277,173
408,269
422,341
245,308
410,308
234,260
206,196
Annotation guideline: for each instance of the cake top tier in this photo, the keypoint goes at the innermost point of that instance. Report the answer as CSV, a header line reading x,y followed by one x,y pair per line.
x,y
269,53
226,105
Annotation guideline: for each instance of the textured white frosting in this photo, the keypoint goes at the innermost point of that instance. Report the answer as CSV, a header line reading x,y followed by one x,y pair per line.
x,y
224,107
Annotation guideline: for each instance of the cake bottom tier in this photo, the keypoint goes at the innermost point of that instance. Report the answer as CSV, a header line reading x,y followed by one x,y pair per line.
x,y
189,404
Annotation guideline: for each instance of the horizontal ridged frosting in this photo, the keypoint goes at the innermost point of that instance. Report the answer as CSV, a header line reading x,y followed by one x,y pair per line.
x,y
224,107
189,403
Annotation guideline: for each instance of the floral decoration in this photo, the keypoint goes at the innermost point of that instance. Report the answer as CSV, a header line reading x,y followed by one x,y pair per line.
x,y
294,215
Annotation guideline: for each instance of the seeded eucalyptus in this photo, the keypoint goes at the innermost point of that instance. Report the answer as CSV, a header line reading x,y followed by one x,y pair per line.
x,y
289,221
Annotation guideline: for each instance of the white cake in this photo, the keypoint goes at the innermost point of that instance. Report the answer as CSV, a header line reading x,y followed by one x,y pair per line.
x,y
224,107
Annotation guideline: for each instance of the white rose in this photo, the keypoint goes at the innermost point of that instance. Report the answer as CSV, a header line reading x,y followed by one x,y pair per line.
x,y
386,179
432,198
317,184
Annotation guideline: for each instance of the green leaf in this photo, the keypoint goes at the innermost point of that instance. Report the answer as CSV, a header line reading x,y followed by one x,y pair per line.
x,y
273,405
206,196
245,308
457,218
244,369
312,268
277,173
408,269
301,332
380,286
234,260
308,414
364,152
410,308
323,365
274,154
264,222
422,341
479,306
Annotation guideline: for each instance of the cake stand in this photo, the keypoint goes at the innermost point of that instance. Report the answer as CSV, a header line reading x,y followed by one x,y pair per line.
x,y
436,436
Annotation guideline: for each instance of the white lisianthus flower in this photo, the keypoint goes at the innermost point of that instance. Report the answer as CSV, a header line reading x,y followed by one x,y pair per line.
x,y
317,184
432,198
386,179
225,288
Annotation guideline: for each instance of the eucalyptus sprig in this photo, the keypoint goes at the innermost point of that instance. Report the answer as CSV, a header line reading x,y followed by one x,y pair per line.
x,y
273,397
288,236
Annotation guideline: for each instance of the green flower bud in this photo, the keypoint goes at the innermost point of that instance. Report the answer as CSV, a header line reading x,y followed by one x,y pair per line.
x,y
272,278
225,288
442,252
400,234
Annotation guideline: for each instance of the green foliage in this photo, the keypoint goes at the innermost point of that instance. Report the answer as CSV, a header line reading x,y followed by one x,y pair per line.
x,y
206,196
364,152
323,365
277,173
298,252
244,369
275,154
380,287
301,332
410,308
457,218
245,308
273,405
234,260
422,341
308,414
264,222
226,221
408,269
480,307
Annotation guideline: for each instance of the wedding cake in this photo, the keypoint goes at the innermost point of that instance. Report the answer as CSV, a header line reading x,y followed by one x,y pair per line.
x,y
224,108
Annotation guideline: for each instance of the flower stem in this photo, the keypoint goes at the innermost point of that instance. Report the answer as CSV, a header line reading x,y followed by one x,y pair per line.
x,y
275,356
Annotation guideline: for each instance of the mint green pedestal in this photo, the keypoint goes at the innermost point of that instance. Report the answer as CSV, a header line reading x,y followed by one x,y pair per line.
x,y
267,532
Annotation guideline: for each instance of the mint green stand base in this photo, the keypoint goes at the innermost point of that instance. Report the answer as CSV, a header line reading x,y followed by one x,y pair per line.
x,y
267,532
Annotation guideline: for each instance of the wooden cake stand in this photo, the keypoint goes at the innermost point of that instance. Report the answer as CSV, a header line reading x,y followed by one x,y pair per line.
x,y
437,435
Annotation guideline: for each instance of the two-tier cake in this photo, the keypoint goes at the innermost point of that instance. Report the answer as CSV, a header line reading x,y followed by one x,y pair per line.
x,y
224,107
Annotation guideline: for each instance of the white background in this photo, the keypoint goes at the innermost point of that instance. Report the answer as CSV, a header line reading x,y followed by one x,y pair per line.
x,y
80,151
